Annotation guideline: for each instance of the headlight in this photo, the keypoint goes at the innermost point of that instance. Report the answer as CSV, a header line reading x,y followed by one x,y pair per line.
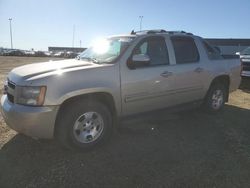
x,y
33,96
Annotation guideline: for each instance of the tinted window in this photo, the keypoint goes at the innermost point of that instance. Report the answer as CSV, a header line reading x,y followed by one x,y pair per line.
x,y
185,50
155,48
211,51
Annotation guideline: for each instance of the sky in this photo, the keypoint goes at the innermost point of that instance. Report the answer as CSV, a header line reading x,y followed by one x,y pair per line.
x,y
41,23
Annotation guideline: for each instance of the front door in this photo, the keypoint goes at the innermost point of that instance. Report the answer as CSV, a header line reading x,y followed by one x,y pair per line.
x,y
148,86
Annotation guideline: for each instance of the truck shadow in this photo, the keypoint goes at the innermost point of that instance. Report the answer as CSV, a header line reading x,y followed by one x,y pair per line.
x,y
183,144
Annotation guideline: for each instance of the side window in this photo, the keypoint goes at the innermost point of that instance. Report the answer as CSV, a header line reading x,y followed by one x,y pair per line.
x,y
185,50
144,48
212,53
155,48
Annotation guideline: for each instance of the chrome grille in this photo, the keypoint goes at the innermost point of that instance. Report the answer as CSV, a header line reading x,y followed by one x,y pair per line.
x,y
246,66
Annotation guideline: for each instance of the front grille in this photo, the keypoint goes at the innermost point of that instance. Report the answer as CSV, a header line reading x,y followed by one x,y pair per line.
x,y
11,91
246,66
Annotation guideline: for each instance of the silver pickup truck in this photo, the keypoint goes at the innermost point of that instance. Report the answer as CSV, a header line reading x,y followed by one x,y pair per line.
x,y
78,101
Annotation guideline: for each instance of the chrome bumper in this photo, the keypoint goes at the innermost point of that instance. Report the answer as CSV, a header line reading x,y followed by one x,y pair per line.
x,y
245,73
36,122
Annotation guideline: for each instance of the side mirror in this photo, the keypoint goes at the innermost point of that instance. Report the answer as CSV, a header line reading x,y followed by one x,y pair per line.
x,y
138,60
237,53
141,58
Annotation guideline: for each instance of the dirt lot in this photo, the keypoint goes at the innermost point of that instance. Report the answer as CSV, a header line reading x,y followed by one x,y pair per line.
x,y
185,149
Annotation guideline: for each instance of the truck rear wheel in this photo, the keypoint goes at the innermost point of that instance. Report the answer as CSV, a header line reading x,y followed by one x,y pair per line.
x,y
216,97
84,124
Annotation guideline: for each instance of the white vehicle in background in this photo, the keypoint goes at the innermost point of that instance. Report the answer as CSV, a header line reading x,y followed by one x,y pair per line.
x,y
29,53
59,54
245,62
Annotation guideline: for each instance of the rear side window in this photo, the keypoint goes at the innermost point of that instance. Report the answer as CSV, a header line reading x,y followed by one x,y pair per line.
x,y
212,53
185,50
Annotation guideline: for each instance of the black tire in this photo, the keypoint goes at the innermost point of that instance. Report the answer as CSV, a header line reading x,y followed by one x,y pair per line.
x,y
210,103
71,113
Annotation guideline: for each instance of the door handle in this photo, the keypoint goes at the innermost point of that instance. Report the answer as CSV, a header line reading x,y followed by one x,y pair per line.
x,y
199,70
166,74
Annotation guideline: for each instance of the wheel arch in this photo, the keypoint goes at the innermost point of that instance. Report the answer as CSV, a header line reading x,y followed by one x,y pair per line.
x,y
103,97
222,79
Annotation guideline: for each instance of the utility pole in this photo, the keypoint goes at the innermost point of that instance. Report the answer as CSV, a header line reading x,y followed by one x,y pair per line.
x,y
73,40
80,43
140,17
10,19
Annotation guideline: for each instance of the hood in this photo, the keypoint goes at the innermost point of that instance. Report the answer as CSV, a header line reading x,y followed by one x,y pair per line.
x,y
47,67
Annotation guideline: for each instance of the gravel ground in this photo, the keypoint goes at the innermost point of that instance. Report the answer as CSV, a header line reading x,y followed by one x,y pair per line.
x,y
185,149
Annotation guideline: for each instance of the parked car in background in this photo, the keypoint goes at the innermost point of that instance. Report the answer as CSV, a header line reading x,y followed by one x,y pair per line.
x,y
29,53
71,55
1,51
79,100
59,54
64,54
14,53
48,53
40,54
245,61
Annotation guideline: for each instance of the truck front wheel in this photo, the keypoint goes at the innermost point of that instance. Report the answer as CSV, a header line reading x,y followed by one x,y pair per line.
x,y
84,124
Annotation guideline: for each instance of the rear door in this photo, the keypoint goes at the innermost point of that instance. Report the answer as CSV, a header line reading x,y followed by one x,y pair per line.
x,y
189,73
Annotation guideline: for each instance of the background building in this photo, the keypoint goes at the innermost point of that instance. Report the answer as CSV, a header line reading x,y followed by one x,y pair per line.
x,y
229,46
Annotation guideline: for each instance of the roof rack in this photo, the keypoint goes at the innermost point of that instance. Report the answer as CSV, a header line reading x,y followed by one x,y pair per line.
x,y
148,31
180,32
159,31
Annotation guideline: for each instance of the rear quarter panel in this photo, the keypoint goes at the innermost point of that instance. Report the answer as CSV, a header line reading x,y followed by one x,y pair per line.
x,y
215,68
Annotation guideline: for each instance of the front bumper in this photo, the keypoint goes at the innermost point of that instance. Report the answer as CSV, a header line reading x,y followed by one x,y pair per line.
x,y
36,122
245,73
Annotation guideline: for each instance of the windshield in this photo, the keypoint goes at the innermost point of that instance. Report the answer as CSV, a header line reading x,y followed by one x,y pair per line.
x,y
246,51
106,50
